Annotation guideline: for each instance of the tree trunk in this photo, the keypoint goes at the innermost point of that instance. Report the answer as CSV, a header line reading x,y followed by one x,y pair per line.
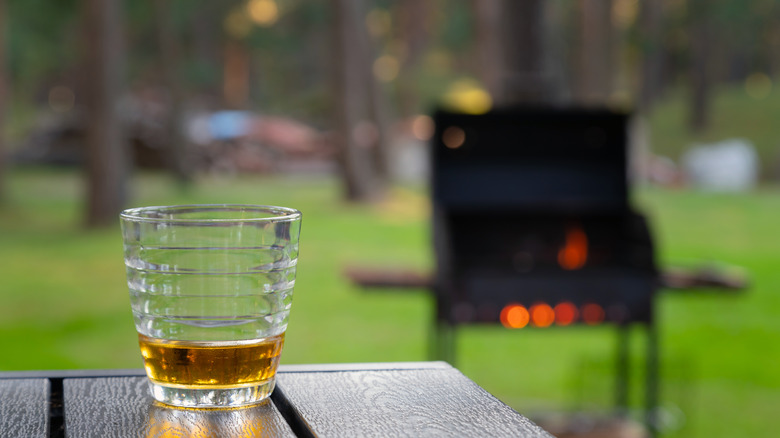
x,y
349,91
700,75
3,94
378,113
595,57
236,75
527,61
651,45
772,46
487,21
205,32
170,54
412,32
106,152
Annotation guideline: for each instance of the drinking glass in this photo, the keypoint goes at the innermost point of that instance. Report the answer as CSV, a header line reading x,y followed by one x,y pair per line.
x,y
211,288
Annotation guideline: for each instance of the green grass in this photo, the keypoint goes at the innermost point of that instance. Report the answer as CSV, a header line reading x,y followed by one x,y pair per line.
x,y
65,305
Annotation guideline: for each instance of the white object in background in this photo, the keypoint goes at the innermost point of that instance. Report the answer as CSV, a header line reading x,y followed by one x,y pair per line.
x,y
727,166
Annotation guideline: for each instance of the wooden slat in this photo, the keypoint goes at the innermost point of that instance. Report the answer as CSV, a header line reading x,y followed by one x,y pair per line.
x,y
411,402
369,366
64,374
24,408
122,407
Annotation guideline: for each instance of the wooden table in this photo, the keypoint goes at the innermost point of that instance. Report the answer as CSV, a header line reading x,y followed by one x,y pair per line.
x,y
335,400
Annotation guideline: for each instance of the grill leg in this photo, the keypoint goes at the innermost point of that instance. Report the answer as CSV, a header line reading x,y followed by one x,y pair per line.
x,y
622,370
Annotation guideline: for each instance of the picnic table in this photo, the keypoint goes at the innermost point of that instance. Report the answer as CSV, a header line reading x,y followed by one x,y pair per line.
x,y
326,400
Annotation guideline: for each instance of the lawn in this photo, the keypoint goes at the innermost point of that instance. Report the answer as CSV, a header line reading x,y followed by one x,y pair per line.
x,y
65,305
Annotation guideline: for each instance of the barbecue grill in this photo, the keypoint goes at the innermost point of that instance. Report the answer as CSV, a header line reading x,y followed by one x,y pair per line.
x,y
533,227
531,213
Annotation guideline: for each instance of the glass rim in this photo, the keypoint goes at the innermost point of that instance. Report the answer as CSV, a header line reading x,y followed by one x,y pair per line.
x,y
274,213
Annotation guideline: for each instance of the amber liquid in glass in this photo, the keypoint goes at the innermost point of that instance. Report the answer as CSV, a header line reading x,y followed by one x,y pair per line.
x,y
223,365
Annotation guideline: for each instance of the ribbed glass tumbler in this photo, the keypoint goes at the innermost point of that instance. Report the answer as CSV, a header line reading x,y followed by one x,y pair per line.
x,y
211,288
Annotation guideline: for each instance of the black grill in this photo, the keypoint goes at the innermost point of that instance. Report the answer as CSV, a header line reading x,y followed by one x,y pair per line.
x,y
531,208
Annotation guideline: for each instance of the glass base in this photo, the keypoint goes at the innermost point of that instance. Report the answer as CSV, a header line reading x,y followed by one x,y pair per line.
x,y
212,398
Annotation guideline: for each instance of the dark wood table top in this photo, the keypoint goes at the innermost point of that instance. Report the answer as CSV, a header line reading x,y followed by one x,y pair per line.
x,y
334,400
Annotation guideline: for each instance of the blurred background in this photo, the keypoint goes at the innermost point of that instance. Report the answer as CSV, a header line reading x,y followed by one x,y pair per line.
x,y
325,106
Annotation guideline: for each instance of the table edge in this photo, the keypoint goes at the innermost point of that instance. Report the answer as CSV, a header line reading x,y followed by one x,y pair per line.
x,y
291,368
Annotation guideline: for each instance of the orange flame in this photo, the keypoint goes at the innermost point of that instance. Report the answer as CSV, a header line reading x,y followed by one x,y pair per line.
x,y
542,315
515,316
574,253
592,314
565,313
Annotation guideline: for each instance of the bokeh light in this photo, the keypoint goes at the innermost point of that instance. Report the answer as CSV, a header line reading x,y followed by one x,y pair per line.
x,y
453,137
469,97
386,68
574,253
565,313
422,127
592,314
542,315
379,22
625,13
263,12
514,316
